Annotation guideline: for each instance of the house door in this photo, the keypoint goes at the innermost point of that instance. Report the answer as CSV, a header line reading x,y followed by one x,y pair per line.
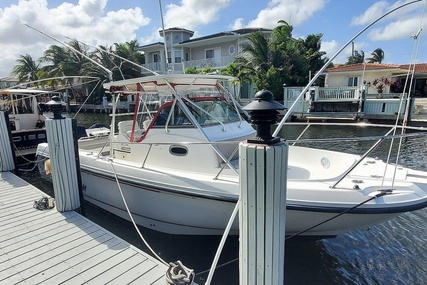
x,y
157,61
214,57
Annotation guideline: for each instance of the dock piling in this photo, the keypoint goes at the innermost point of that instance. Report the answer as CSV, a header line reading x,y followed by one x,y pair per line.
x,y
7,155
262,213
64,164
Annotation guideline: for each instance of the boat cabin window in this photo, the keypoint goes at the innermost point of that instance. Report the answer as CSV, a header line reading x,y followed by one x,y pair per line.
x,y
178,118
206,112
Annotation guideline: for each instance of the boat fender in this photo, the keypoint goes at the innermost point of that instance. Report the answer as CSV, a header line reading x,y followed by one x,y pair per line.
x,y
178,274
45,203
47,167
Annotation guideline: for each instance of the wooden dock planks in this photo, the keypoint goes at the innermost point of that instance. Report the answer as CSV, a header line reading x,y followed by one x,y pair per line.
x,y
48,247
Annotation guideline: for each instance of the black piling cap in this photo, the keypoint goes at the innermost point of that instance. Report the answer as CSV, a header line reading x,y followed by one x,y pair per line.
x,y
55,106
263,112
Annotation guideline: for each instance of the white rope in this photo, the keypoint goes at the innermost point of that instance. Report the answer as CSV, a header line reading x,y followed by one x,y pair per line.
x,y
131,217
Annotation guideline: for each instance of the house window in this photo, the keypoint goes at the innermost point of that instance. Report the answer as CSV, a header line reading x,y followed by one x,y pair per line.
x,y
178,56
231,49
169,57
156,57
353,81
187,56
210,53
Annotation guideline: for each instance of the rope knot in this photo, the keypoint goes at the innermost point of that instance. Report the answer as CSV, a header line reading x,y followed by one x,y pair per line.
x,y
178,274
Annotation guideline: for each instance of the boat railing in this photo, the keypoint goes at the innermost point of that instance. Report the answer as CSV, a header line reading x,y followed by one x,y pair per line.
x,y
392,133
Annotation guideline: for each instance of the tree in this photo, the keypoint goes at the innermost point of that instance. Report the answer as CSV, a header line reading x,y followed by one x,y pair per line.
x,y
26,69
356,57
316,58
377,56
64,61
280,59
129,50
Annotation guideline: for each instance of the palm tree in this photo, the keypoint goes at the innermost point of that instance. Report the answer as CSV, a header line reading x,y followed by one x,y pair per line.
x,y
280,59
356,57
104,55
377,56
129,51
26,69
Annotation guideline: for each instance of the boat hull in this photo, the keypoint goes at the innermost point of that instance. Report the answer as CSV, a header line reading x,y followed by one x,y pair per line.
x,y
176,213
26,141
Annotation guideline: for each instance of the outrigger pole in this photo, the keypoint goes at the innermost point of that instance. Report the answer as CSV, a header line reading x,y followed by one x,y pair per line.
x,y
110,73
116,55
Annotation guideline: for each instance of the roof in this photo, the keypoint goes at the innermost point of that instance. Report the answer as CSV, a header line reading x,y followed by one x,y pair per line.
x,y
176,29
9,79
150,45
419,68
229,33
362,66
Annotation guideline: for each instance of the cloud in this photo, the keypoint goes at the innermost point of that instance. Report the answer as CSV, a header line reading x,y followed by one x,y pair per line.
x,y
191,14
188,14
238,24
401,23
295,12
396,30
86,21
376,10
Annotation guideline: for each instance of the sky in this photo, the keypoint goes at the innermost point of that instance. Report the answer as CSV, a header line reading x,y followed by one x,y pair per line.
x,y
105,22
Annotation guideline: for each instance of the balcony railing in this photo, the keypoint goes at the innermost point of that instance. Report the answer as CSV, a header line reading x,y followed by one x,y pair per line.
x,y
154,66
386,104
209,62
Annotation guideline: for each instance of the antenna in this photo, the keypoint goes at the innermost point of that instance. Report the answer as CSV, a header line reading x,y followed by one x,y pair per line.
x,y
164,36
110,73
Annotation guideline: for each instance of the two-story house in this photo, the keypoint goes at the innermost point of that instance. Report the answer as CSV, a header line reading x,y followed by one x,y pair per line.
x,y
214,51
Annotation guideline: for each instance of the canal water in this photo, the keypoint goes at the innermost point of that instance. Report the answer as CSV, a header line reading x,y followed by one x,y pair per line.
x,y
394,252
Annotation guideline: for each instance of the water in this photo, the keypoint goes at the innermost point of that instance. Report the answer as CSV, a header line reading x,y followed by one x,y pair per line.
x,y
393,252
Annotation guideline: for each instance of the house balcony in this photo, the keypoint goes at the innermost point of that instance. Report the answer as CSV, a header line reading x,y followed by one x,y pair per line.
x,y
220,62
159,67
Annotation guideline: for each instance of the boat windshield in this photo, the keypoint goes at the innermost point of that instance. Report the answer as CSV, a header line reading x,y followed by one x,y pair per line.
x,y
206,112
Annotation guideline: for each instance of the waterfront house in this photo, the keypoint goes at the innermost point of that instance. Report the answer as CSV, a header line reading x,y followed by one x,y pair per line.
x,y
7,82
363,91
214,51
356,75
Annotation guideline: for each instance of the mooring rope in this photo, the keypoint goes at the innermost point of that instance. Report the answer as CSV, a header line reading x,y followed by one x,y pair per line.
x,y
131,217
177,273
381,193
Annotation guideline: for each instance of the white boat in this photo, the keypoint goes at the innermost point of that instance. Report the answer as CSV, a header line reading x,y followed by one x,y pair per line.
x,y
25,110
177,167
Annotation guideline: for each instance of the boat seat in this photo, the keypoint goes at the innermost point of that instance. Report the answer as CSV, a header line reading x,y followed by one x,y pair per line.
x,y
125,128
146,123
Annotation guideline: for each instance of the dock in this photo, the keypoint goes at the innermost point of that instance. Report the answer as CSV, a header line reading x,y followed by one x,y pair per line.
x,y
49,247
